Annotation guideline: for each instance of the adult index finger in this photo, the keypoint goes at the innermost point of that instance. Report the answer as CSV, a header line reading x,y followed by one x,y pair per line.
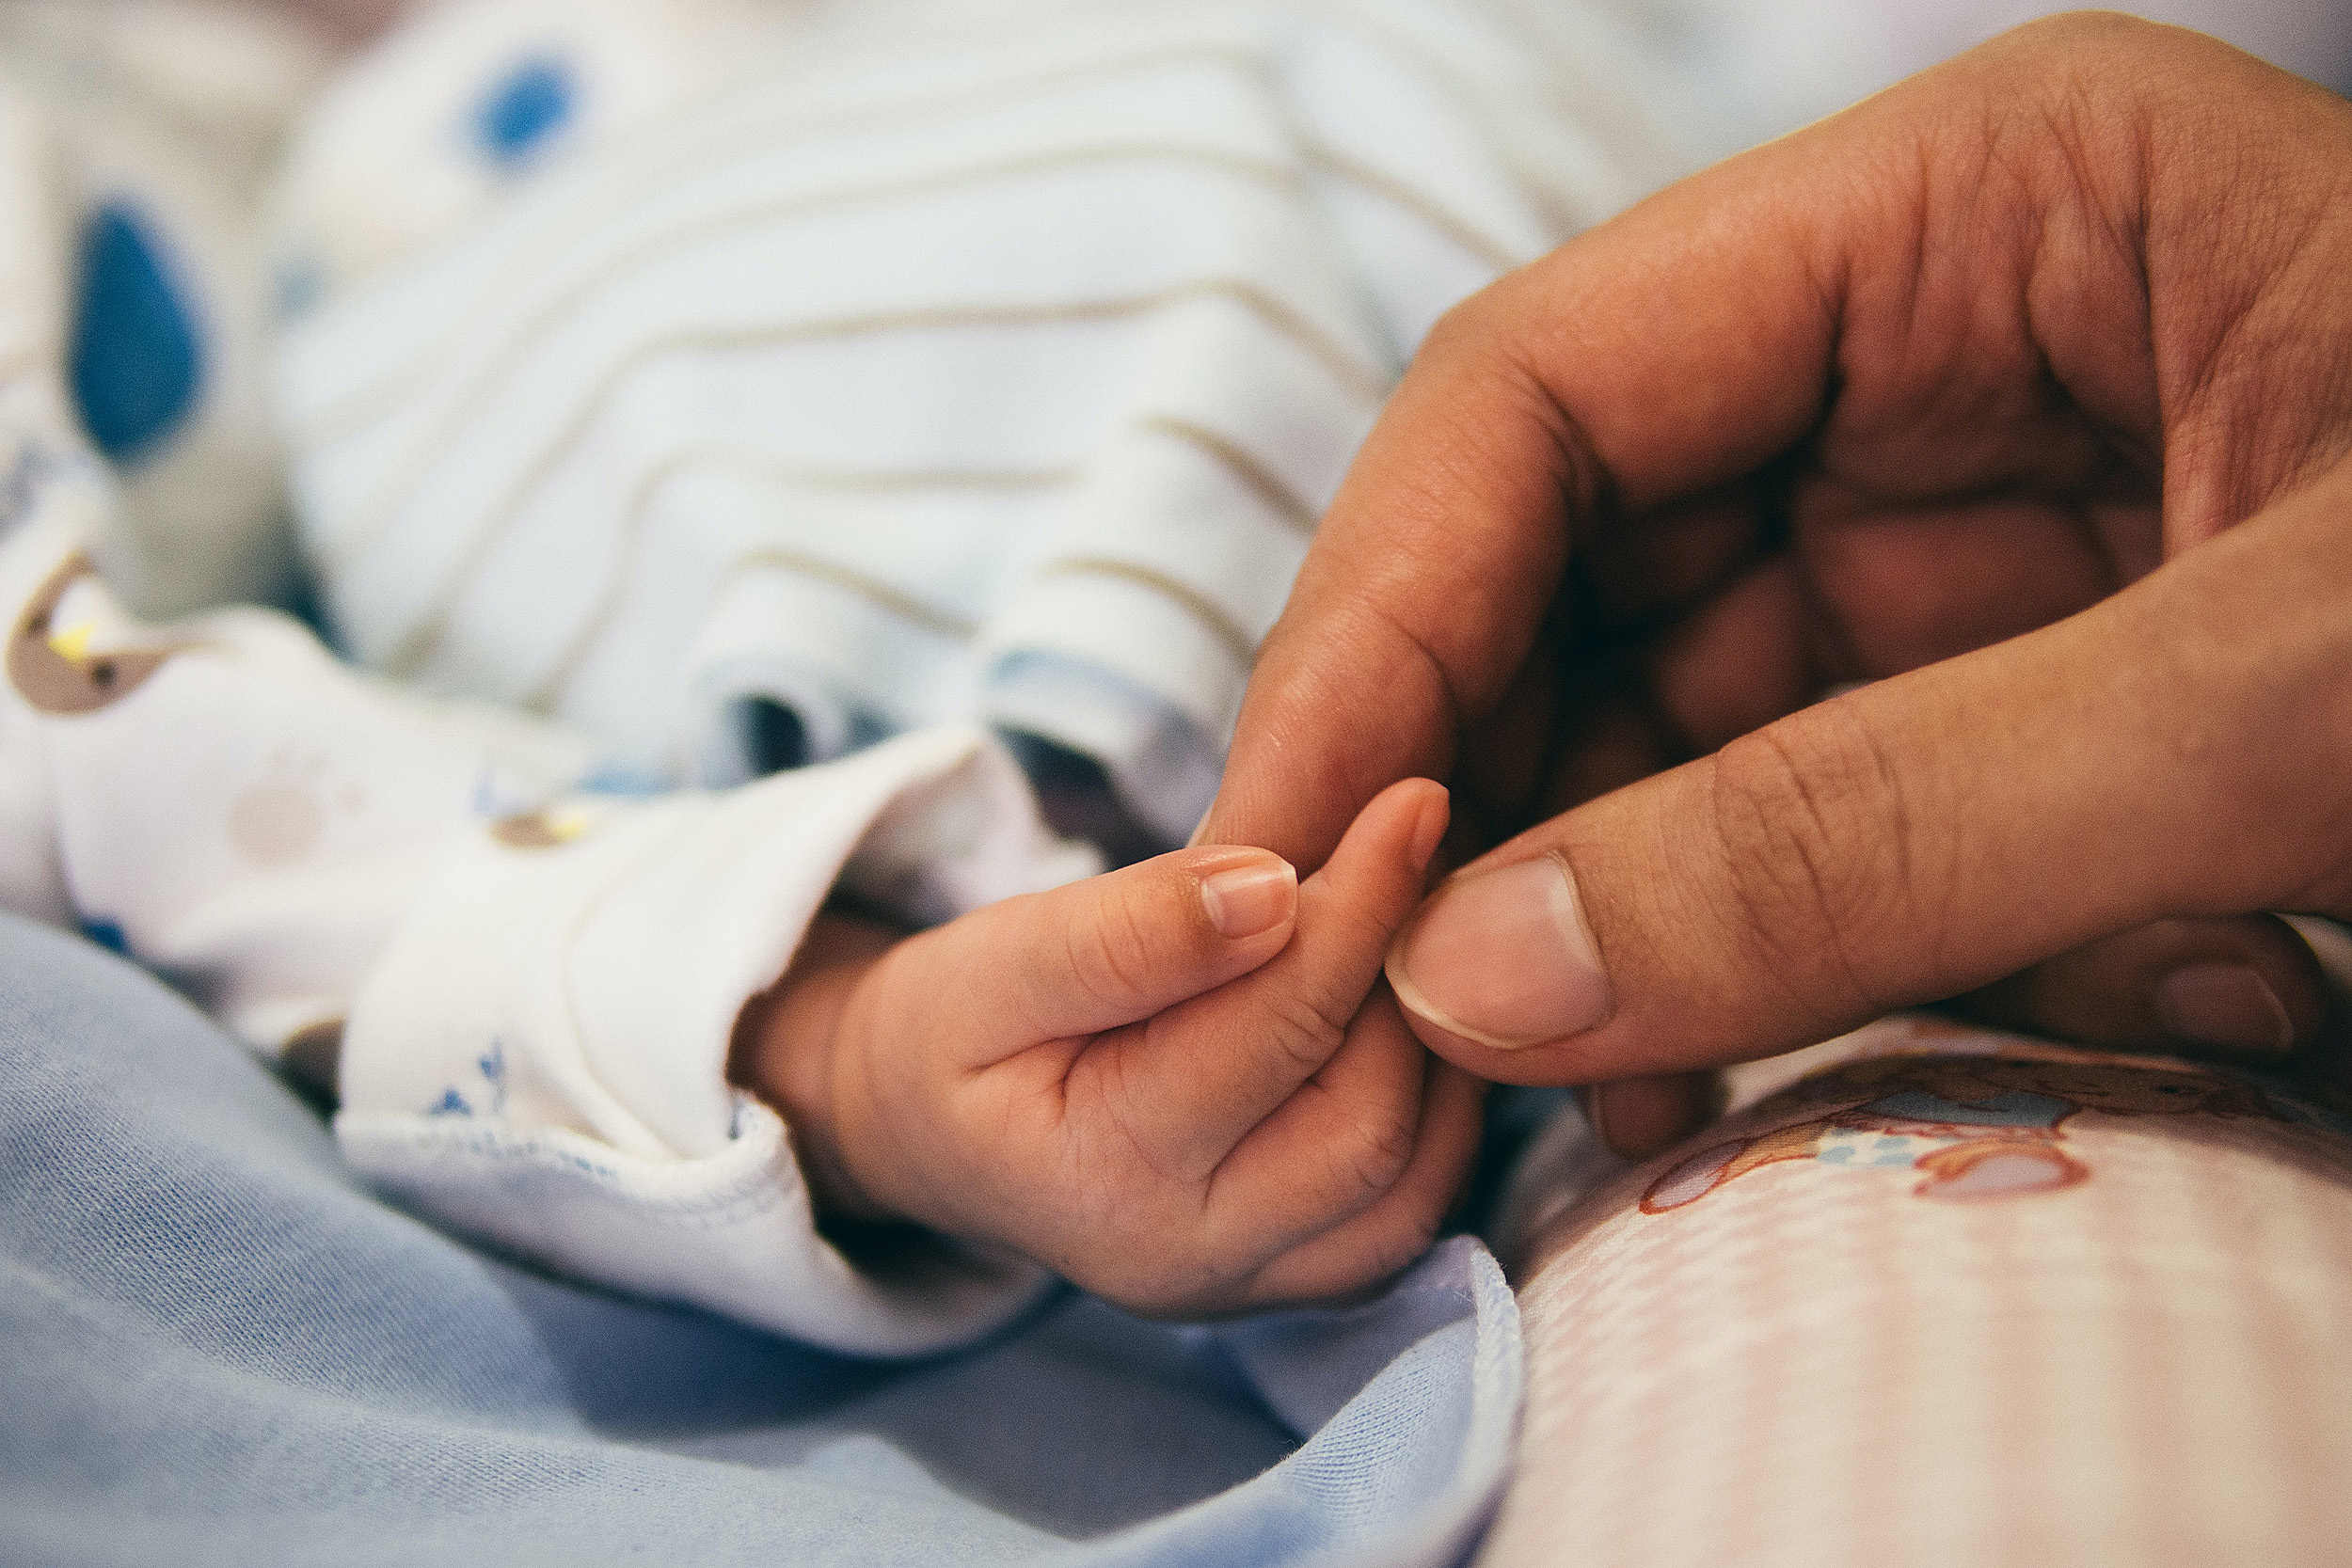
x,y
1681,344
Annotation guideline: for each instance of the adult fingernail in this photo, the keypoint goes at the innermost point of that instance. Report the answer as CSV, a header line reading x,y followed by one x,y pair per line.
x,y
1502,958
2229,1006
1245,900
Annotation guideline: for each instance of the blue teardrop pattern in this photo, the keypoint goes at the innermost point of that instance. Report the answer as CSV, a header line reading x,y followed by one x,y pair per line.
x,y
138,359
526,107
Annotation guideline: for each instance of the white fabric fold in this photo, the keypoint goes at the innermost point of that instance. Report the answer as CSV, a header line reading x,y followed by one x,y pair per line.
x,y
907,341
281,836
535,1004
539,1058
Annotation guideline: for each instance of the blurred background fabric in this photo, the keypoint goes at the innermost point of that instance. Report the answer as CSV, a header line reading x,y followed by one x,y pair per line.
x,y
1779,64
1795,60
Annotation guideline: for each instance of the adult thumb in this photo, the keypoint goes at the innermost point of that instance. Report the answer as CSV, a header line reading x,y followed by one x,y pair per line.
x,y
2165,752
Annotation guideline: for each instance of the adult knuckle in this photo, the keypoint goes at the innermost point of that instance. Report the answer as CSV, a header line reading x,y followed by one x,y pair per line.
x,y
1466,327
1813,830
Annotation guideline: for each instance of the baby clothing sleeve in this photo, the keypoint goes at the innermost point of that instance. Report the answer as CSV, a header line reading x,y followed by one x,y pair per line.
x,y
533,991
528,994
540,1055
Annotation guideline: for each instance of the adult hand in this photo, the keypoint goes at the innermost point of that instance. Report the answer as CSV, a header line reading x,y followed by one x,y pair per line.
x,y
2022,390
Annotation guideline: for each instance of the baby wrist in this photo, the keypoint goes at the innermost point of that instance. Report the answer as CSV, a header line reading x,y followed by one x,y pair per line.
x,y
786,1052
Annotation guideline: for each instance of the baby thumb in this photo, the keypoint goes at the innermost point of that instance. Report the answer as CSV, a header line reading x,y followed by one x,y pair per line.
x,y
1113,949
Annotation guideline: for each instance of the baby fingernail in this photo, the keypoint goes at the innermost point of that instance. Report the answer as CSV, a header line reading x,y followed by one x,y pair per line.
x,y
1247,900
2225,1004
1436,811
1503,957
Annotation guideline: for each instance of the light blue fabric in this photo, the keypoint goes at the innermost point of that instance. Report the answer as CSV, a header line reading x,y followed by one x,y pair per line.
x,y
216,1348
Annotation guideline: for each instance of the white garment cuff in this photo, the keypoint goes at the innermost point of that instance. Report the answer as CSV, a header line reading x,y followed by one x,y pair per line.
x,y
540,1058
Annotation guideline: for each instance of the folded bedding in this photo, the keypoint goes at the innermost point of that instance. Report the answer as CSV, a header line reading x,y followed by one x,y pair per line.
x,y
722,438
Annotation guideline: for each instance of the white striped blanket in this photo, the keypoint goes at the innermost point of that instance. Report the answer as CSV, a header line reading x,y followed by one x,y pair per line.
x,y
903,361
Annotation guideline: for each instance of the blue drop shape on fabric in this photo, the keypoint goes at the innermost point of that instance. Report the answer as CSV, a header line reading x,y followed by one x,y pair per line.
x,y
138,359
530,103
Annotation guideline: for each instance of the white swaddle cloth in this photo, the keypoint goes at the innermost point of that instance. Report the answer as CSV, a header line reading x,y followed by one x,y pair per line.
x,y
899,362
995,370
153,126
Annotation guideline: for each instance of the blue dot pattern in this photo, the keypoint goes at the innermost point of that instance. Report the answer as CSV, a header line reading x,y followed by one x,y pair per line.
x,y
137,363
529,104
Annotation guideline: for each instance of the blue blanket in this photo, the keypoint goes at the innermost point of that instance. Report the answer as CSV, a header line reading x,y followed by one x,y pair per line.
x,y
215,1347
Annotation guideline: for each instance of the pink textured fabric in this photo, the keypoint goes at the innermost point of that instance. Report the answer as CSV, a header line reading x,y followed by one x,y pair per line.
x,y
1998,1304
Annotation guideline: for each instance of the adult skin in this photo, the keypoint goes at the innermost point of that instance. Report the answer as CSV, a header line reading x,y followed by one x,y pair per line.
x,y
2022,391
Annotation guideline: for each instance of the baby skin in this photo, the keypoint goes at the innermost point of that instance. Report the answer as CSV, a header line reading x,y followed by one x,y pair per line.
x,y
1182,1086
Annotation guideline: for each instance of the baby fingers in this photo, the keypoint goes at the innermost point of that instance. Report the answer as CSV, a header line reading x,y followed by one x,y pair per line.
x,y
1338,1150
1346,1187
1190,1085
1376,1242
1331,1150
1106,952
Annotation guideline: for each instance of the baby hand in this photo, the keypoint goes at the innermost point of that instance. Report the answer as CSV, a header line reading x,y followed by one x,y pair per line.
x,y
1181,1084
